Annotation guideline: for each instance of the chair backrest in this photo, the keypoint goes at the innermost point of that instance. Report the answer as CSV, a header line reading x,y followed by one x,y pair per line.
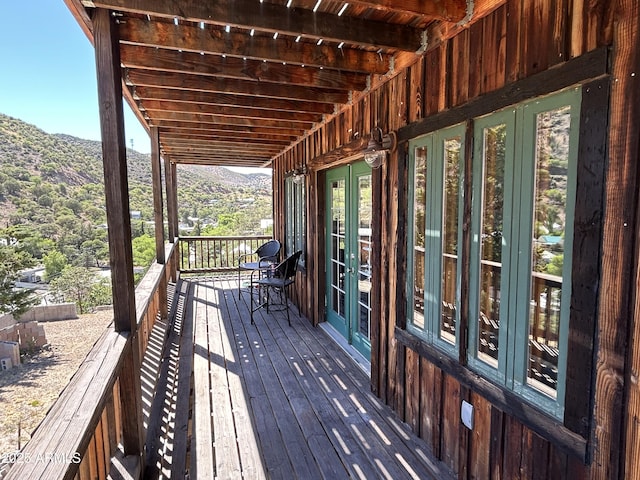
x,y
269,250
288,267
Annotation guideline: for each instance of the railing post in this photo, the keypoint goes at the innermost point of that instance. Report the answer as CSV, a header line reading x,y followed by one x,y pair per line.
x,y
157,215
118,219
168,179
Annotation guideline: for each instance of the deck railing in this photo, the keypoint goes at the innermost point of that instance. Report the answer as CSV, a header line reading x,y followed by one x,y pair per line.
x,y
215,254
81,433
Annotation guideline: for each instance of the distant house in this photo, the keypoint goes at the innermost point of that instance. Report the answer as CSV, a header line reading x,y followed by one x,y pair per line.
x,y
550,240
32,275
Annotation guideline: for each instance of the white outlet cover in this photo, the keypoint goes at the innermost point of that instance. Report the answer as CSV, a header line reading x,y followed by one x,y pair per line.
x,y
466,414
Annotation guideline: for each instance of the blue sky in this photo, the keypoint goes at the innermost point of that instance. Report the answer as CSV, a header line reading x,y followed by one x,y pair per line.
x,y
47,72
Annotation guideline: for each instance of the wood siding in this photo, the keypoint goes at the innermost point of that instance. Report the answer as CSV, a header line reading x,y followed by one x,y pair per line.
x,y
488,63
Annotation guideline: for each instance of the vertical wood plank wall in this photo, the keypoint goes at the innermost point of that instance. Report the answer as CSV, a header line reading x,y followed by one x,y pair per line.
x,y
518,39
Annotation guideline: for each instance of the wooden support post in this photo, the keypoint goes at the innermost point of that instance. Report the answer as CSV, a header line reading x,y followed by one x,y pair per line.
x,y
171,207
174,198
118,219
156,175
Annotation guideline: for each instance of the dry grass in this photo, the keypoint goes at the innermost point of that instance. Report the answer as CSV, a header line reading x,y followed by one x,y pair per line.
x,y
28,391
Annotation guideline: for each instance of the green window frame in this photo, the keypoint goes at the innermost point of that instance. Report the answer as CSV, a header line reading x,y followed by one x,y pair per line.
x,y
523,187
295,218
526,309
436,208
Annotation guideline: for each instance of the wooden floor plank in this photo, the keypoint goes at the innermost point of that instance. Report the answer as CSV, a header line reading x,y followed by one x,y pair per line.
x,y
227,458
286,402
300,455
373,458
271,442
202,460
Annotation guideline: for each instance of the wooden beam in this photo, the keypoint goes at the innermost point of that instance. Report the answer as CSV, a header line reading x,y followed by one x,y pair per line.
x,y
158,217
118,221
230,111
230,133
166,119
225,148
282,49
223,163
160,59
273,18
227,136
224,99
445,10
171,206
156,176
237,87
174,197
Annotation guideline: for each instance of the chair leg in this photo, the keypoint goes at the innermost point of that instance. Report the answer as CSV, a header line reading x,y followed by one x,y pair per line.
x,y
286,300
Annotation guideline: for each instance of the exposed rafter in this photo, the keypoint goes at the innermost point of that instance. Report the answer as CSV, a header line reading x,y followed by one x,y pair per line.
x,y
213,41
162,60
272,18
236,82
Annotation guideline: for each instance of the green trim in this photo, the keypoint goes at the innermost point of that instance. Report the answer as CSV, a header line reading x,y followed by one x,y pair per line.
x,y
348,323
434,214
515,285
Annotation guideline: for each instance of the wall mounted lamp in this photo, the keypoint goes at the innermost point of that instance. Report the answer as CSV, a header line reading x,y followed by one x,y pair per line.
x,y
297,176
378,147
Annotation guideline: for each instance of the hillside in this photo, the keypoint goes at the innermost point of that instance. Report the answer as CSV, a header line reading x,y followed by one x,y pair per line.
x,y
53,185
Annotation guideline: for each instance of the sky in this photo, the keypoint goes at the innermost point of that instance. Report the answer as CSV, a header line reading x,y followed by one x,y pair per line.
x,y
47,73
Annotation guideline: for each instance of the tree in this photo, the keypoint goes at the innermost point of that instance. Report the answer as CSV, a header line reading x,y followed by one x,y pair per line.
x,y
54,263
144,250
74,285
14,301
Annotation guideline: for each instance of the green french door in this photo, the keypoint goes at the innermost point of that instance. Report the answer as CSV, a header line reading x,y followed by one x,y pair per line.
x,y
348,254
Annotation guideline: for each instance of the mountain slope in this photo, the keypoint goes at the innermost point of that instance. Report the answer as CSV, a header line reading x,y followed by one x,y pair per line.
x,y
53,184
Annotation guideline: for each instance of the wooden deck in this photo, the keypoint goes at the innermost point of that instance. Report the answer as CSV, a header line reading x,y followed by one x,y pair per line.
x,y
269,400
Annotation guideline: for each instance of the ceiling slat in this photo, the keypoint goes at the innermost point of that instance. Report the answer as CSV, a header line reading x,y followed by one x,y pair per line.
x,y
282,49
238,87
223,99
231,111
271,18
159,59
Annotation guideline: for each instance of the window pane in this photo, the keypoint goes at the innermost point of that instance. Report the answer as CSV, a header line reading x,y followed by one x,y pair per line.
x,y
337,246
491,242
419,210
448,292
547,252
364,255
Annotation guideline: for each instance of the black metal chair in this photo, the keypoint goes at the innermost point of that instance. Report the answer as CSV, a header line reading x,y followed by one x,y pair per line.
x,y
278,278
267,254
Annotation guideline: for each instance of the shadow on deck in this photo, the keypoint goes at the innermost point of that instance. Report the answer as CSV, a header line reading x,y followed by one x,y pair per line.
x,y
268,400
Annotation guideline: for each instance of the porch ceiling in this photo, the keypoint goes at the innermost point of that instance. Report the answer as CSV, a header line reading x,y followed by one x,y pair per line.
x,y
236,82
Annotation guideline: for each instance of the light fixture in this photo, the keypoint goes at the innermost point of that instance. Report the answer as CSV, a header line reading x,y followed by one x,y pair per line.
x,y
297,176
379,145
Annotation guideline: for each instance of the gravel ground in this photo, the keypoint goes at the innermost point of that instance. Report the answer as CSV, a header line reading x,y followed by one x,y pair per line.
x,y
29,390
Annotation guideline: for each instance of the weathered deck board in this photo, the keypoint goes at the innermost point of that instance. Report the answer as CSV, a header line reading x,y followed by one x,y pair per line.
x,y
274,401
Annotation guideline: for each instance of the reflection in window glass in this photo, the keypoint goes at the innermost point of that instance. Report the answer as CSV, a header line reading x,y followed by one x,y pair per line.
x,y
491,242
448,292
547,251
419,211
337,246
364,255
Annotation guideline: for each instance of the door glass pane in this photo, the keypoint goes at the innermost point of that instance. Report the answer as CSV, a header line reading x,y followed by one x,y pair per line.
x,y
364,255
419,211
448,292
491,242
547,251
338,231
